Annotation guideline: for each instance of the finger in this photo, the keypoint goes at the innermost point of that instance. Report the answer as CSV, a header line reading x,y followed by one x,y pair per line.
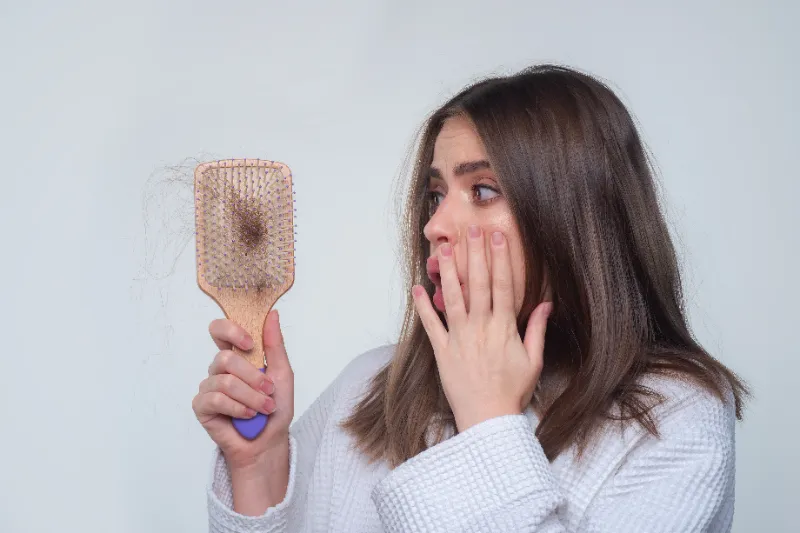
x,y
237,390
535,331
430,320
451,288
274,346
217,403
480,296
502,283
227,333
228,362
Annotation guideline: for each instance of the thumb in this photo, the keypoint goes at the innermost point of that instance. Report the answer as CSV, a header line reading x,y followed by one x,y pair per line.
x,y
274,347
534,333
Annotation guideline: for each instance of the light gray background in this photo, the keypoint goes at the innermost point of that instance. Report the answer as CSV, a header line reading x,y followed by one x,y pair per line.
x,y
105,343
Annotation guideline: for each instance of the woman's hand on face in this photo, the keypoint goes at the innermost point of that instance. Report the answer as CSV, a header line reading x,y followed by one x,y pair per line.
x,y
486,369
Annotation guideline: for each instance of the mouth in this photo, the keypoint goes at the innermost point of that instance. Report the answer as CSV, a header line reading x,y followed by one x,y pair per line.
x,y
435,276
433,271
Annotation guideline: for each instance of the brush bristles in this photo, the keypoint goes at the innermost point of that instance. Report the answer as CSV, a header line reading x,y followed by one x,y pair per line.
x,y
246,226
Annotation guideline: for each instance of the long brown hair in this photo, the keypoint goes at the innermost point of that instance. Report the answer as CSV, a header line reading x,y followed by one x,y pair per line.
x,y
577,178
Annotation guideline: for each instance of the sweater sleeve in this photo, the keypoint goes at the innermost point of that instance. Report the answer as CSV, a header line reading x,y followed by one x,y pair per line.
x,y
305,436
496,477
287,516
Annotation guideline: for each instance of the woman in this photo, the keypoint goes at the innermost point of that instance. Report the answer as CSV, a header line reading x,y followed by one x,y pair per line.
x,y
545,378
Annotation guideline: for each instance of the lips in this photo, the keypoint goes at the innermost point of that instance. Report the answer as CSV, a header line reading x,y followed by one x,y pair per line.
x,y
433,271
434,274
436,278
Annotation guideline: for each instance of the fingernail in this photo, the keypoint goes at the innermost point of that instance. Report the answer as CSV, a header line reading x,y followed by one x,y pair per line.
x,y
247,342
497,237
474,232
249,413
267,386
446,250
267,406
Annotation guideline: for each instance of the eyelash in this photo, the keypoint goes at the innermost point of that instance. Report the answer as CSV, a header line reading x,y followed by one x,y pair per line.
x,y
432,197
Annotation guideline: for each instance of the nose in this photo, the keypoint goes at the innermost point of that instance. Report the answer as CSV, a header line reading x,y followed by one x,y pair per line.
x,y
443,226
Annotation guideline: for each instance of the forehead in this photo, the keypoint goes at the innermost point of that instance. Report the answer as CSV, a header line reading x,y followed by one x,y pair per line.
x,y
457,142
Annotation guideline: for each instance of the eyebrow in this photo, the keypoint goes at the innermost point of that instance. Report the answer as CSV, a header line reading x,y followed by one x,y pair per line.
x,y
462,168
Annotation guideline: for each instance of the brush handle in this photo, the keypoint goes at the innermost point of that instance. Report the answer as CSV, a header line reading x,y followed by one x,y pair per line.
x,y
251,428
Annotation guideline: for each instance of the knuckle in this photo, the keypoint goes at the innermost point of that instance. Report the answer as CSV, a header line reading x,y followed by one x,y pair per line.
x,y
217,328
225,382
503,282
224,359
481,283
222,329
233,331
216,401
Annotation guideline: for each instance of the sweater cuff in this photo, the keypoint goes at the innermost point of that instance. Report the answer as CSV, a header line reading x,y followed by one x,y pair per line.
x,y
493,471
222,517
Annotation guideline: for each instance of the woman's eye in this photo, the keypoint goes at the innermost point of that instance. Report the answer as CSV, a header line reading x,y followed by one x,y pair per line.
x,y
482,194
489,194
434,199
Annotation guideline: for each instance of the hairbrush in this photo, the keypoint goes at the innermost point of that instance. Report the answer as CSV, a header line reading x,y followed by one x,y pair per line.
x,y
244,220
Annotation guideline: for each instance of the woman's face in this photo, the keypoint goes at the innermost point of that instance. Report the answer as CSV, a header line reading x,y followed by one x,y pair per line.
x,y
466,191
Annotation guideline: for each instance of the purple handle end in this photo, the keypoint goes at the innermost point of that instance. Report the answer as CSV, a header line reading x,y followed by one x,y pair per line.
x,y
251,428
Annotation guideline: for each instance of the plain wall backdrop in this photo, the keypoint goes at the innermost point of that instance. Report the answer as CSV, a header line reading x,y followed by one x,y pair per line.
x,y
104,328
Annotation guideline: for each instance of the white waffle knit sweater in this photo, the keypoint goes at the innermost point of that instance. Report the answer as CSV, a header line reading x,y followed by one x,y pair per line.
x,y
494,477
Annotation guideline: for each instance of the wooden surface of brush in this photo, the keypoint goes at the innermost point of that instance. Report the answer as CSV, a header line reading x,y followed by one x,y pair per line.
x,y
244,212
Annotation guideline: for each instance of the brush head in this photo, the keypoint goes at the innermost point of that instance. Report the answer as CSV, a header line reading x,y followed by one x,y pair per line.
x,y
244,212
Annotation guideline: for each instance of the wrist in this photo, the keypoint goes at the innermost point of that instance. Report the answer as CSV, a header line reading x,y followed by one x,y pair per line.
x,y
261,483
249,464
476,417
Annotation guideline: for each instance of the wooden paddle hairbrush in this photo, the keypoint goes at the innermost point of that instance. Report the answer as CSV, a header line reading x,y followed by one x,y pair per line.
x,y
244,219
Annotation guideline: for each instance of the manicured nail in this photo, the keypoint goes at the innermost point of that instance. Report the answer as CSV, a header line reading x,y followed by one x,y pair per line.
x,y
267,407
247,342
267,386
474,232
249,413
497,237
446,250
